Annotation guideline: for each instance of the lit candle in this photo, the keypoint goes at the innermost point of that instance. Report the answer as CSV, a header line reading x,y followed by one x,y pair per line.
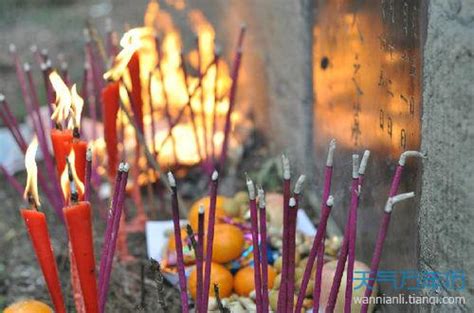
x,y
110,106
37,227
137,102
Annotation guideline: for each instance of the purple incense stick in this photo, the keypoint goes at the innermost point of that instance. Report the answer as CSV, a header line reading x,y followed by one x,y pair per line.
x,y
263,243
385,222
292,216
199,260
210,239
341,261
282,292
12,180
353,235
113,238
325,210
320,265
232,94
179,244
109,225
256,250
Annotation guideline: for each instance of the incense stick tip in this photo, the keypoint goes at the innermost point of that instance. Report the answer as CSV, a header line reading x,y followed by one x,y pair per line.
x,y
261,197
355,166
89,154
26,67
108,24
2,97
407,154
251,188
299,184
64,65
201,209
126,167
12,48
87,35
44,52
330,201
171,179
332,148
215,175
363,162
392,201
292,202
33,48
286,167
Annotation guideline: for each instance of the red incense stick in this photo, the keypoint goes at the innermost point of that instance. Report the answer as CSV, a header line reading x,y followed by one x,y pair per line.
x,y
353,235
179,244
320,264
256,250
325,211
263,243
341,261
283,292
199,261
385,221
210,239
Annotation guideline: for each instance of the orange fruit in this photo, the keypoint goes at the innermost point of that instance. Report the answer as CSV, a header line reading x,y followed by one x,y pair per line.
x,y
28,306
194,211
244,280
219,275
172,242
228,243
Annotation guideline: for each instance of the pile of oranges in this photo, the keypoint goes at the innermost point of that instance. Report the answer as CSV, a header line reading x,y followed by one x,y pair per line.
x,y
228,246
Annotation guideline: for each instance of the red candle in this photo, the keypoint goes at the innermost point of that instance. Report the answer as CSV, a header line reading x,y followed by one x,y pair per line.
x,y
137,102
110,106
80,151
79,226
62,142
35,222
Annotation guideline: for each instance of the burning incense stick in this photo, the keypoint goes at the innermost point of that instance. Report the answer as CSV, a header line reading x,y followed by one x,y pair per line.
x,y
386,220
325,211
320,264
292,216
263,243
117,214
347,236
282,293
199,260
256,249
179,243
353,235
87,182
210,239
109,225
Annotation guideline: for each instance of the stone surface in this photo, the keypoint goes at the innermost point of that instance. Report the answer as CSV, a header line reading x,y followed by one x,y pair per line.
x,y
447,201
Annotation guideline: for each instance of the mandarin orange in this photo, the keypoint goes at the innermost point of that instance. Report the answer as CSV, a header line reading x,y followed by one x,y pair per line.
x,y
219,275
228,243
194,211
244,280
28,306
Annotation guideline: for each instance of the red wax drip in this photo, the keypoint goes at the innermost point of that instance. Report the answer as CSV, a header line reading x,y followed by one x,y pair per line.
x,y
38,230
79,226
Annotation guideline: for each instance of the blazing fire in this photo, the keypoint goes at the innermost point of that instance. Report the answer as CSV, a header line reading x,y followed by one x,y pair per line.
x,y
31,189
185,97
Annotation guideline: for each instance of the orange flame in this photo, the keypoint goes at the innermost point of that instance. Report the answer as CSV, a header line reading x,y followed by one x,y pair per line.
x,y
31,189
63,98
66,184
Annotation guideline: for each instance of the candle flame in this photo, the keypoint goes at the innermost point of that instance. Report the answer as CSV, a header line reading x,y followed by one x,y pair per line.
x,y
121,60
66,185
31,189
77,104
63,98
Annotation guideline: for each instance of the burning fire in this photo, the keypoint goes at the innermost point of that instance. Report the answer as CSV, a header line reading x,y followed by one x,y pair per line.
x,y
70,182
31,189
194,136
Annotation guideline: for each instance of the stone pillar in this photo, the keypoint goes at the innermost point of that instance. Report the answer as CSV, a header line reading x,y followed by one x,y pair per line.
x,y
446,212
